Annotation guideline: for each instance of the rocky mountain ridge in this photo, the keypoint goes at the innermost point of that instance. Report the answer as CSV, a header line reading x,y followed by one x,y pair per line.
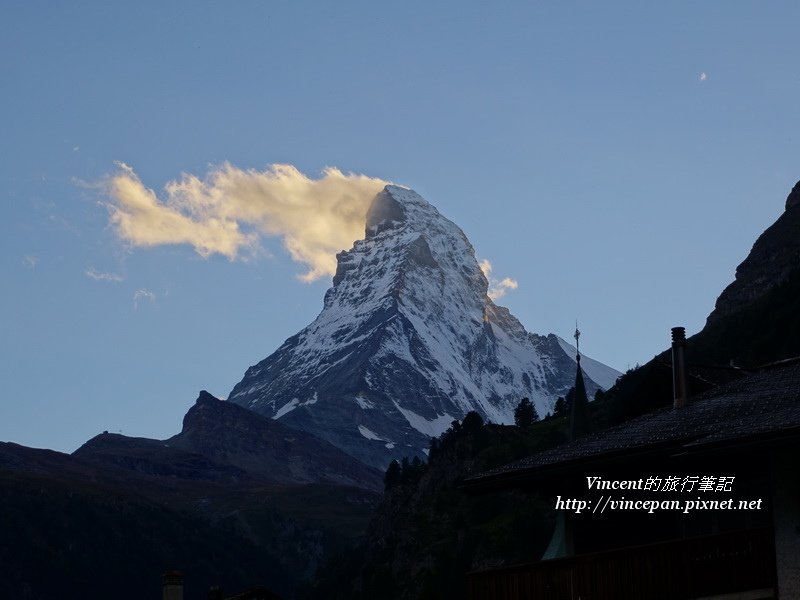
x,y
775,254
221,441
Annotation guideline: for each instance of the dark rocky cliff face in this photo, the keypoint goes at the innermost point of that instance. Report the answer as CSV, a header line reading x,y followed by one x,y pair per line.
x,y
774,256
756,321
232,435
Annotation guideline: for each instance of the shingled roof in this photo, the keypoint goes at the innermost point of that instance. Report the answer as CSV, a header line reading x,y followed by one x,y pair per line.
x,y
761,405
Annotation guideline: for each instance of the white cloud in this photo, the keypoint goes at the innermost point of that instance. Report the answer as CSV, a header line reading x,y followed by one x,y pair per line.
x,y
497,288
228,211
30,261
703,76
99,276
141,295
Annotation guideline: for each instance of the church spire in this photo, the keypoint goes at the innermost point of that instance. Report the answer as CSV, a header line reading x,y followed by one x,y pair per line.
x,y
579,411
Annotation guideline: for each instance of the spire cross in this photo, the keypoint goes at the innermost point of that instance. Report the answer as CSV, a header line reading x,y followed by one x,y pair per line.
x,y
577,341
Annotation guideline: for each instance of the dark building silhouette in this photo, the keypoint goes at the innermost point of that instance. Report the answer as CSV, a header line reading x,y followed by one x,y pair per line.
x,y
744,435
172,585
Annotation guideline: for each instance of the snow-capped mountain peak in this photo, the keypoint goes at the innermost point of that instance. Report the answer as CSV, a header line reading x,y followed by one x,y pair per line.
x,y
407,341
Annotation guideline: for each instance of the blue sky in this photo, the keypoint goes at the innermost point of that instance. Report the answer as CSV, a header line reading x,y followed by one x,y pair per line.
x,y
617,160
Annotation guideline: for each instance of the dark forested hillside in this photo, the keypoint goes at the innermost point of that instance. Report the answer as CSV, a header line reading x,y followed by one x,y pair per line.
x,y
427,533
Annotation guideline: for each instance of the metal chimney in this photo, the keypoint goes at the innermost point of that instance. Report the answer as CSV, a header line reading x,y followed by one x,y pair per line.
x,y
680,380
172,585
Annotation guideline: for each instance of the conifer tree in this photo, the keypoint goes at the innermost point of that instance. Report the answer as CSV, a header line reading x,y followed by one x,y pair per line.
x,y
525,414
392,477
405,470
472,423
559,408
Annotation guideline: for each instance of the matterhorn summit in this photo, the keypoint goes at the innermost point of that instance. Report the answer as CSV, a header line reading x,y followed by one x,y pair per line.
x,y
407,341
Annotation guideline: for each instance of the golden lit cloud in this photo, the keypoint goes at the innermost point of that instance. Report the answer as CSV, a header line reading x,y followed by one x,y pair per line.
x,y
486,267
497,288
228,210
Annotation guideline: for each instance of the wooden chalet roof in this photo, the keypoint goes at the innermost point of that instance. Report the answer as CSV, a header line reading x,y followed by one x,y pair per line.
x,y
763,404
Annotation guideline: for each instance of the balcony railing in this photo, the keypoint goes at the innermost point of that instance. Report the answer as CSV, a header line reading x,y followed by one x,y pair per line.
x,y
701,567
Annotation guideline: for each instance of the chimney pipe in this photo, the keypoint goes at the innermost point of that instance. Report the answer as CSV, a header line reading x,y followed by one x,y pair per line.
x,y
680,380
172,585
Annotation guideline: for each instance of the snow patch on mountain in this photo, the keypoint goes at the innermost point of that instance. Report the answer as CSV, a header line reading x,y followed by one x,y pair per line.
x,y
363,402
371,435
292,404
286,408
432,428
